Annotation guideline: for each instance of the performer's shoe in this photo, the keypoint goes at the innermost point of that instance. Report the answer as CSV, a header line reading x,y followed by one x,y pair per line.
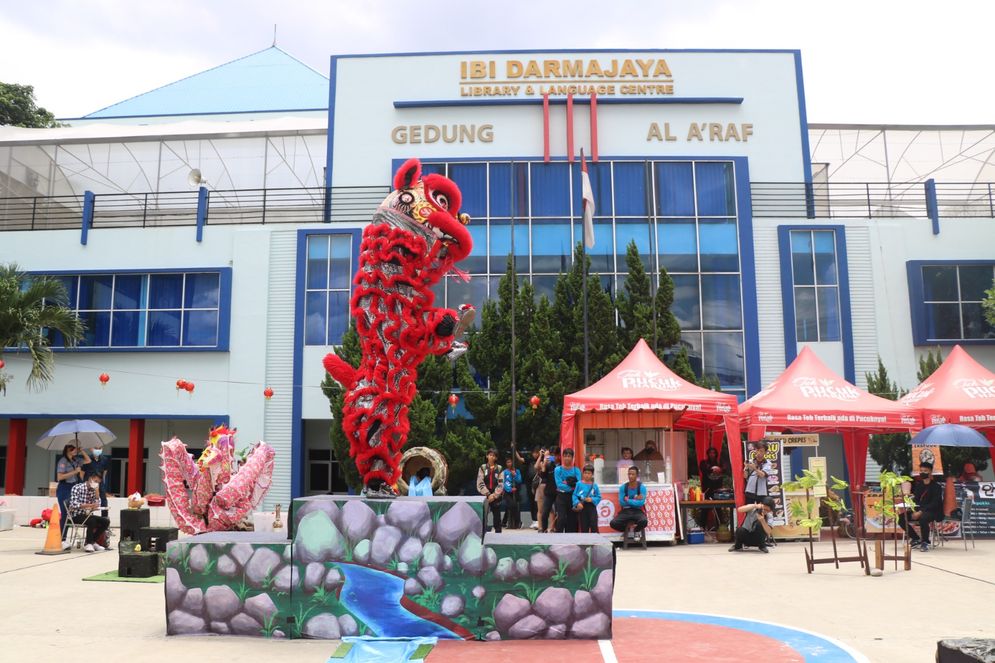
x,y
383,492
458,350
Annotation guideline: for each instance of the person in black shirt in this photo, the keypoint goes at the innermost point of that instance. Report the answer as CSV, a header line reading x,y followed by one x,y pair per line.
x,y
928,496
712,470
545,466
754,530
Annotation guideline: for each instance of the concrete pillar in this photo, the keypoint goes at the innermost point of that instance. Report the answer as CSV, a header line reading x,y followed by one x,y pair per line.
x,y
136,457
16,456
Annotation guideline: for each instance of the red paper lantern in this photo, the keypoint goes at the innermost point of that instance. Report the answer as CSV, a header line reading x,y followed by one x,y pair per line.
x,y
268,393
453,400
104,378
534,402
181,384
189,387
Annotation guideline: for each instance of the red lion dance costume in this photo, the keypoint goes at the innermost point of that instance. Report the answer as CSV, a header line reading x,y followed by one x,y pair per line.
x,y
416,237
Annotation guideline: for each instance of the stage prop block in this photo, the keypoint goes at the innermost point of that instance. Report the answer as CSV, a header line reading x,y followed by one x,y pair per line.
x,y
138,564
132,521
155,539
406,567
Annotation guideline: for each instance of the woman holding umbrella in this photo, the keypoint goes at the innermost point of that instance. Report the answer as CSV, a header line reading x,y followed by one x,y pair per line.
x,y
69,471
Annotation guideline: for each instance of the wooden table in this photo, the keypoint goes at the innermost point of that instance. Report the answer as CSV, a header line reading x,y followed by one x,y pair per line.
x,y
707,504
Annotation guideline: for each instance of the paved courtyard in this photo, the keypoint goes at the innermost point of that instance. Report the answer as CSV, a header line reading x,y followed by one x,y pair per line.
x,y
47,613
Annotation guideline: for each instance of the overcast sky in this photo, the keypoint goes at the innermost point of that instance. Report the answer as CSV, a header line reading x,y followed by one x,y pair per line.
x,y
869,62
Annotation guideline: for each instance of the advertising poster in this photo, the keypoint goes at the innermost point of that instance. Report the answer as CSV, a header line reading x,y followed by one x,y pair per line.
x,y
774,464
926,454
982,521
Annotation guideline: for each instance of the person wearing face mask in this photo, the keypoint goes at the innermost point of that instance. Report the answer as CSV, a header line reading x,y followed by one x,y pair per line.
x,y
928,496
100,464
84,500
68,472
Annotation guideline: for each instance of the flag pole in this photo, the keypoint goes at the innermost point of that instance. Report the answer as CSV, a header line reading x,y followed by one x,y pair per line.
x,y
655,277
514,296
583,266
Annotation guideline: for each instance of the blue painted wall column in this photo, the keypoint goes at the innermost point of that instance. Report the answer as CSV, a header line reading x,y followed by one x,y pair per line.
x,y
88,200
202,200
932,208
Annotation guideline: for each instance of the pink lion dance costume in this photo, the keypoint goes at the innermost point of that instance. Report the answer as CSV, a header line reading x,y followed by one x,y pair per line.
x,y
206,495
416,237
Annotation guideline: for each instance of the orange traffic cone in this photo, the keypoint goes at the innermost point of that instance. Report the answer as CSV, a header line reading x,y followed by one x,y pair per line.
x,y
53,541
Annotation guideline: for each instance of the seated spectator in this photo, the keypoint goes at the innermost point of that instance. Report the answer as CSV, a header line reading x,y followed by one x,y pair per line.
x,y
632,500
83,501
969,473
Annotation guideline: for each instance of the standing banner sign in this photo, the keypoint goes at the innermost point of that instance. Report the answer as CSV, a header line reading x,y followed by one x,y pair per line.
x,y
773,457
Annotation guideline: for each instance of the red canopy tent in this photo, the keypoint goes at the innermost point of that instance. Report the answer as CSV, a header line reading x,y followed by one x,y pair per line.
x,y
960,391
810,397
641,392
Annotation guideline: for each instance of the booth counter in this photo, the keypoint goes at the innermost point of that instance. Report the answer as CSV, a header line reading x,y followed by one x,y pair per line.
x,y
661,511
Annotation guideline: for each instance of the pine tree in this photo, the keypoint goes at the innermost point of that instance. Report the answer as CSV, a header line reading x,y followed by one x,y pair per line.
x,y
350,351
928,364
890,451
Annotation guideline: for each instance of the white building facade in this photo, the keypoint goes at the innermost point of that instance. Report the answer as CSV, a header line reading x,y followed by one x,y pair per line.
x,y
217,246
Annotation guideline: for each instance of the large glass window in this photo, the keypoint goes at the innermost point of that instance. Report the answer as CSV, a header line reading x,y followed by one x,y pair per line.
x,y
681,214
952,296
815,283
326,295
155,310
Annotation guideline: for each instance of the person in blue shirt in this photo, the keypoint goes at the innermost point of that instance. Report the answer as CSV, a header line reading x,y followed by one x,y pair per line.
x,y
632,500
566,476
512,478
420,485
585,502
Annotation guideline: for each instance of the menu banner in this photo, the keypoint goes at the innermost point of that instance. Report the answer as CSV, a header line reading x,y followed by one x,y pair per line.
x,y
774,490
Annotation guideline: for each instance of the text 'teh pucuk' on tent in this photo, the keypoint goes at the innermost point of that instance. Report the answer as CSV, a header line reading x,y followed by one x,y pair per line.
x,y
641,392
960,391
809,397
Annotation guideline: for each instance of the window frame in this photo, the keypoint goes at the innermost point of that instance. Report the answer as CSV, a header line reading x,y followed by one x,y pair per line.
x,y
224,308
918,305
815,286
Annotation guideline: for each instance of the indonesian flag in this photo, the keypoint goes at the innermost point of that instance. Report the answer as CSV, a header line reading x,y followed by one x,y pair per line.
x,y
588,196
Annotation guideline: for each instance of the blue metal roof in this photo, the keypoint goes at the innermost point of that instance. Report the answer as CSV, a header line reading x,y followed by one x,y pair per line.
x,y
270,80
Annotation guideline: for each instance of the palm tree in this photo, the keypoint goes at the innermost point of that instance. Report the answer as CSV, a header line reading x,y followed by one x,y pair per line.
x,y
30,308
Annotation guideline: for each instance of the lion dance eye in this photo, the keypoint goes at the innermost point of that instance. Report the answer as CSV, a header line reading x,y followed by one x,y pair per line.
x,y
441,199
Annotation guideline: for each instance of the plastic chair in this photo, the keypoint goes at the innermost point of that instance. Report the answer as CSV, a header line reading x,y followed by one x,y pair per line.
x,y
71,528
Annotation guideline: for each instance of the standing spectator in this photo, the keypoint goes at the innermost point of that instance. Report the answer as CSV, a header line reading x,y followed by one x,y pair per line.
x,y
632,499
490,484
84,499
530,485
420,485
68,472
756,474
566,477
99,465
512,478
649,452
585,502
546,493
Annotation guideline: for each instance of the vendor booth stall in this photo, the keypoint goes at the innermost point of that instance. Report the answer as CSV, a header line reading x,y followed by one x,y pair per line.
x,y
960,391
809,397
642,401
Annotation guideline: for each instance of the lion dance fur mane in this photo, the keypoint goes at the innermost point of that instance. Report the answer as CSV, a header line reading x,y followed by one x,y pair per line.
x,y
209,494
416,237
